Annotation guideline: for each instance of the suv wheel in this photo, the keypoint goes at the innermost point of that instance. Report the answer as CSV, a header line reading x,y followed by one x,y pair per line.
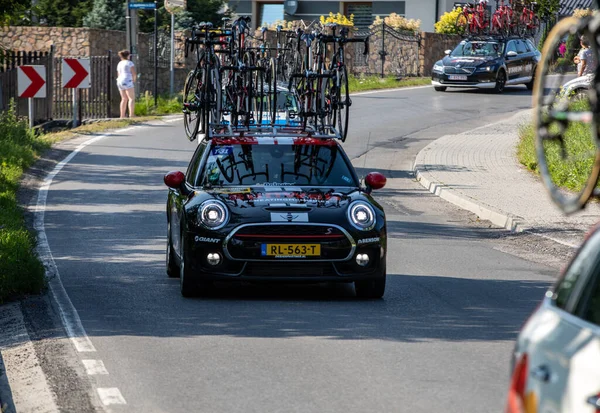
x,y
500,82
531,83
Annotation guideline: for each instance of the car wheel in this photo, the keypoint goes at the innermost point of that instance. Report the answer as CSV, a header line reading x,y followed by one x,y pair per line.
x,y
189,284
172,267
440,88
530,84
500,82
371,289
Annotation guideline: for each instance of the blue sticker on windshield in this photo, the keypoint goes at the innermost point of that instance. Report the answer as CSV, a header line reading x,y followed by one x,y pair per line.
x,y
222,150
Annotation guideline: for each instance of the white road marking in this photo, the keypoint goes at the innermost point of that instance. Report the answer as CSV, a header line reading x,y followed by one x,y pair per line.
x,y
397,89
23,385
110,395
94,367
173,120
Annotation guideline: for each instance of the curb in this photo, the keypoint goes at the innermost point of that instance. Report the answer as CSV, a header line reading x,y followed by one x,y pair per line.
x,y
499,218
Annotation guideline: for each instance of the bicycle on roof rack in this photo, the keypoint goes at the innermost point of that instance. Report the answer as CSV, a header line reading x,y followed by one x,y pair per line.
x,y
202,88
567,119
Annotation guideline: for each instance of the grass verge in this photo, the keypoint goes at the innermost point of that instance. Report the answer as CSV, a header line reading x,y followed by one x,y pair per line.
x,y
364,83
20,270
570,166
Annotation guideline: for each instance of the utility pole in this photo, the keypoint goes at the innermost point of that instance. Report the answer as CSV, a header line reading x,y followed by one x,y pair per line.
x,y
155,53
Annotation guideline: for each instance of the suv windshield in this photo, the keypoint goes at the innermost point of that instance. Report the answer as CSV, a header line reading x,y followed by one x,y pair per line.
x,y
273,165
478,49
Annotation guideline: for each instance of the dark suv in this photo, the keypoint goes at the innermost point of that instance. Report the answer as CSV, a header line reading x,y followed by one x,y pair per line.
x,y
487,63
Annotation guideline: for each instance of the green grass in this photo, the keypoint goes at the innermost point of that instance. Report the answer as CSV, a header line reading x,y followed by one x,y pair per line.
x,y
20,270
569,170
363,83
144,105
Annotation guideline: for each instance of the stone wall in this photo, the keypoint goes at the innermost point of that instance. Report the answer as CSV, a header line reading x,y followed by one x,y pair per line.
x,y
432,49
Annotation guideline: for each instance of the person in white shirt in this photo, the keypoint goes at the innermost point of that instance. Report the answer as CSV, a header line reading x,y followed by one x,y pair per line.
x,y
125,83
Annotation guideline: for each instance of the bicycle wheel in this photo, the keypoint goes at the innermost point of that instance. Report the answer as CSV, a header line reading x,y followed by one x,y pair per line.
x,y
343,102
272,91
567,148
258,97
212,113
191,113
462,23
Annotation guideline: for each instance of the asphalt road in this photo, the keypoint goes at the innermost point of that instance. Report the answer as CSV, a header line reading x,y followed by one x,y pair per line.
x,y
439,341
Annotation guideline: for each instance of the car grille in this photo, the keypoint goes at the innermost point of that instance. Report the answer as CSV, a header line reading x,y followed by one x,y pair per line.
x,y
451,70
246,242
316,269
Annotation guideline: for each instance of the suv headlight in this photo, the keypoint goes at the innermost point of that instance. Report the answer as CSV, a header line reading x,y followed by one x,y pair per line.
x,y
213,214
438,68
361,215
485,69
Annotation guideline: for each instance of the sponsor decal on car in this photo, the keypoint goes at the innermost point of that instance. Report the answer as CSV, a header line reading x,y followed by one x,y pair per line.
x,y
207,240
368,240
517,69
222,150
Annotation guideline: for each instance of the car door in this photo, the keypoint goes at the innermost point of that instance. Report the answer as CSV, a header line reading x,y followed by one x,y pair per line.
x,y
512,60
564,347
526,54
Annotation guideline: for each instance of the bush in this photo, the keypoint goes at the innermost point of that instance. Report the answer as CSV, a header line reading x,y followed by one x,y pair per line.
x,y
397,22
563,65
20,270
447,22
144,106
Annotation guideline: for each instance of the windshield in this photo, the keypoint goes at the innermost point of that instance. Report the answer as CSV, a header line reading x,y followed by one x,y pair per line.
x,y
274,165
478,49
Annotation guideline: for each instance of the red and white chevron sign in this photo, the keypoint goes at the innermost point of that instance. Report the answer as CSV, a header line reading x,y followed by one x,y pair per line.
x,y
31,81
76,73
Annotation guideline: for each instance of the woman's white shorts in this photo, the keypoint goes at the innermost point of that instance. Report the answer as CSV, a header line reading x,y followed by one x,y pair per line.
x,y
124,84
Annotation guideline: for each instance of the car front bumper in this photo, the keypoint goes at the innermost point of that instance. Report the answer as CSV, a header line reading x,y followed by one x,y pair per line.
x,y
241,259
485,80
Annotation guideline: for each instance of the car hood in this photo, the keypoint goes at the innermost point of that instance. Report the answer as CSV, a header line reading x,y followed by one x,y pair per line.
x,y
468,61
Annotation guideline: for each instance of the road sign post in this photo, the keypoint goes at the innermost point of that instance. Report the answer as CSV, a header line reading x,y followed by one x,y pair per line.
x,y
155,55
76,75
31,83
173,6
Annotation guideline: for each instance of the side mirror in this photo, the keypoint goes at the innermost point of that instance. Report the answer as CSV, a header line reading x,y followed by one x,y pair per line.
x,y
174,179
512,54
374,181
447,52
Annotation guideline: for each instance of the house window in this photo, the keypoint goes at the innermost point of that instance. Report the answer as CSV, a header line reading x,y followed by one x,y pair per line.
x,y
363,14
269,13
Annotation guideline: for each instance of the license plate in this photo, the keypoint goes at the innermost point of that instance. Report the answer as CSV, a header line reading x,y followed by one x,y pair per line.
x,y
457,77
291,250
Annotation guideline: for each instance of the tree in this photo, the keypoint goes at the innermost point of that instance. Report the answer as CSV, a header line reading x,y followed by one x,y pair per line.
x,y
62,13
546,9
13,11
447,22
106,14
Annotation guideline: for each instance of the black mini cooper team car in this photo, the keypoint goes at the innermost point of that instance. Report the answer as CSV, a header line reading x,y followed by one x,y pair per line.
x,y
274,209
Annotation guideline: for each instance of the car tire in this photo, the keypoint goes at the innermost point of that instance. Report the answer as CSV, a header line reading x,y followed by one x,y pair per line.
x,y
187,281
172,267
531,83
371,289
500,82
440,88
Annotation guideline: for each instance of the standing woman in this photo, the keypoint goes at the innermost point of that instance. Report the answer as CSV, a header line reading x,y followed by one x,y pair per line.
x,y
125,81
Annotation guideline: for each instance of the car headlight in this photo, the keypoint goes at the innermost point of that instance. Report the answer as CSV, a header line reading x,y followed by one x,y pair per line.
x,y
485,69
213,214
438,68
361,215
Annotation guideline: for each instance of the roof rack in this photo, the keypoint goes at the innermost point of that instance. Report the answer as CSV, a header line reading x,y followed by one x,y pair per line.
x,y
491,37
268,131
